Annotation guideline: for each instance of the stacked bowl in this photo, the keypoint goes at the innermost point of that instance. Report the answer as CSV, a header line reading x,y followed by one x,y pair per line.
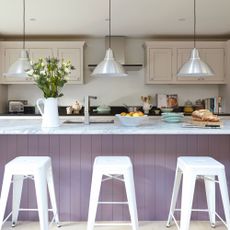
x,y
172,117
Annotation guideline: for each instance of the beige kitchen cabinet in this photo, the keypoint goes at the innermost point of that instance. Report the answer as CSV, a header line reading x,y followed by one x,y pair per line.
x,y
12,54
214,57
164,59
74,55
159,65
68,50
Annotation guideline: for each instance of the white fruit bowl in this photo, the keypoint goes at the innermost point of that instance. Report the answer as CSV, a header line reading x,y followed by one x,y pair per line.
x,y
131,121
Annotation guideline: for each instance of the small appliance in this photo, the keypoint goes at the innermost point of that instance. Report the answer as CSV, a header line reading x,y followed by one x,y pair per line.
x,y
16,106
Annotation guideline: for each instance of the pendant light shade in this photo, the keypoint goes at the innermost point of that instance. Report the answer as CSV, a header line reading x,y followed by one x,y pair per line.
x,y
19,68
109,67
195,67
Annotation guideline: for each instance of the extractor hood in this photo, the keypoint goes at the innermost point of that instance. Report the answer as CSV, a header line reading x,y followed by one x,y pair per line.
x,y
118,47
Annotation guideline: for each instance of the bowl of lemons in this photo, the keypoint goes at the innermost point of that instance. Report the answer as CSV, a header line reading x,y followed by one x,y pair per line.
x,y
132,118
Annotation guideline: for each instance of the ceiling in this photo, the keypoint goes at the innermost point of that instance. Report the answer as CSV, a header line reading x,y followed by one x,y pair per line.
x,y
133,18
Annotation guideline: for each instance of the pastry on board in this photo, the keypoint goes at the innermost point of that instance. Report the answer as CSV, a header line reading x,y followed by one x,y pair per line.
x,y
204,115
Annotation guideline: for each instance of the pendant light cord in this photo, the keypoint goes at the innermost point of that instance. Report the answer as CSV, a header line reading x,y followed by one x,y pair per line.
x,y
194,20
24,23
109,23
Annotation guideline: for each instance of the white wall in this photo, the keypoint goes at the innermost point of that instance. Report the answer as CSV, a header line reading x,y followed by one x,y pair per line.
x,y
115,91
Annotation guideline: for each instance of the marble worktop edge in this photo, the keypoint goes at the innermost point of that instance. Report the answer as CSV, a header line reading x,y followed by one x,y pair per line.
x,y
153,126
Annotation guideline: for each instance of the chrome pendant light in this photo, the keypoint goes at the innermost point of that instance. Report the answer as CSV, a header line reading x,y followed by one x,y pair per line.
x,y
109,67
195,67
19,68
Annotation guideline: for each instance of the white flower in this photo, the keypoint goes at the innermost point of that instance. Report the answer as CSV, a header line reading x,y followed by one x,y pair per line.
x,y
67,70
36,76
30,72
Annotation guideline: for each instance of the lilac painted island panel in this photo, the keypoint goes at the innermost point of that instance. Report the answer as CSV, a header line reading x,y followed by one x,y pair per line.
x,y
153,156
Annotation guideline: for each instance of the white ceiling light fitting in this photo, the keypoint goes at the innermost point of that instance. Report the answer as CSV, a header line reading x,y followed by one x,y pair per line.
x,y
195,67
109,67
19,68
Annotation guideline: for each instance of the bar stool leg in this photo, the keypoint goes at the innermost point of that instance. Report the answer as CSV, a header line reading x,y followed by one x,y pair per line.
x,y
225,197
50,183
188,187
4,195
17,193
176,188
94,197
210,189
41,193
130,191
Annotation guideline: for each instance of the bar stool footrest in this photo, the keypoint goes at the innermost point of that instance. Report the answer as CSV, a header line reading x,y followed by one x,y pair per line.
x,y
113,202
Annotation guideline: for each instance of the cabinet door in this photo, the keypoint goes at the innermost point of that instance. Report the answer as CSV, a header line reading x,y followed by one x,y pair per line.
x,y
214,57
38,53
159,66
74,55
10,56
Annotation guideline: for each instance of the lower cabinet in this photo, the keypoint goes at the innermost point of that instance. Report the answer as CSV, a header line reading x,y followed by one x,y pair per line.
x,y
68,50
164,59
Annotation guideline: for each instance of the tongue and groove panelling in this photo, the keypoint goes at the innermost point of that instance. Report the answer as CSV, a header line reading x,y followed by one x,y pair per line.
x,y
153,156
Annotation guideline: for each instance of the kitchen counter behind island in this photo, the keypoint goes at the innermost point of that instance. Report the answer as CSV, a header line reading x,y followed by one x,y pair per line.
x,y
153,152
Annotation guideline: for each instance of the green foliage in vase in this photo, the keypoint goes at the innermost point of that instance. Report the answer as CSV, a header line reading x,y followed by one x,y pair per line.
x,y
50,75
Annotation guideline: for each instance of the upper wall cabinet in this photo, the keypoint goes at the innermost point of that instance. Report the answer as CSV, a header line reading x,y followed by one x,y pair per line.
x,y
68,50
164,59
73,54
159,65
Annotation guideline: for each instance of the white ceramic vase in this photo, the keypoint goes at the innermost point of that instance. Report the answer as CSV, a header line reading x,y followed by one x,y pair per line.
x,y
49,112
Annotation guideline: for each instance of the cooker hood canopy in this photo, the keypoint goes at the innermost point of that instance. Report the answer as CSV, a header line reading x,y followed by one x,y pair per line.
x,y
118,47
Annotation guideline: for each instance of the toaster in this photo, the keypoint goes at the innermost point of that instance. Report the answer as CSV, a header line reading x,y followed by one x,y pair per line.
x,y
16,106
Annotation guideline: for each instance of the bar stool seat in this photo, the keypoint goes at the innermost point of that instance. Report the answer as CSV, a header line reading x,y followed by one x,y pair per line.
x,y
39,169
112,167
206,168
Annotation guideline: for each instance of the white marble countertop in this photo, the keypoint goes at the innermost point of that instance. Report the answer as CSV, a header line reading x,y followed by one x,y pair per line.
x,y
153,125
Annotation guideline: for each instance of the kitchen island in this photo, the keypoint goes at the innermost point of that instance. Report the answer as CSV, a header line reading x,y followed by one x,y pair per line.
x,y
152,147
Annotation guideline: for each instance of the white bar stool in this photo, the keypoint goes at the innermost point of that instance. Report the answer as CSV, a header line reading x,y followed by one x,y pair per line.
x,y
112,167
206,168
38,168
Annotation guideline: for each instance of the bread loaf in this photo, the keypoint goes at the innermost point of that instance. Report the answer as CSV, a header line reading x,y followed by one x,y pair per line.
x,y
204,115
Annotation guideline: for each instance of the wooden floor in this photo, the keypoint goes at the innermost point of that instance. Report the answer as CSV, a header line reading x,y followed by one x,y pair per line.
x,y
156,225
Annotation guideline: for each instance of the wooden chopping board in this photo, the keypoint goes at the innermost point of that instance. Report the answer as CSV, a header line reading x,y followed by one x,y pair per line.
x,y
208,123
